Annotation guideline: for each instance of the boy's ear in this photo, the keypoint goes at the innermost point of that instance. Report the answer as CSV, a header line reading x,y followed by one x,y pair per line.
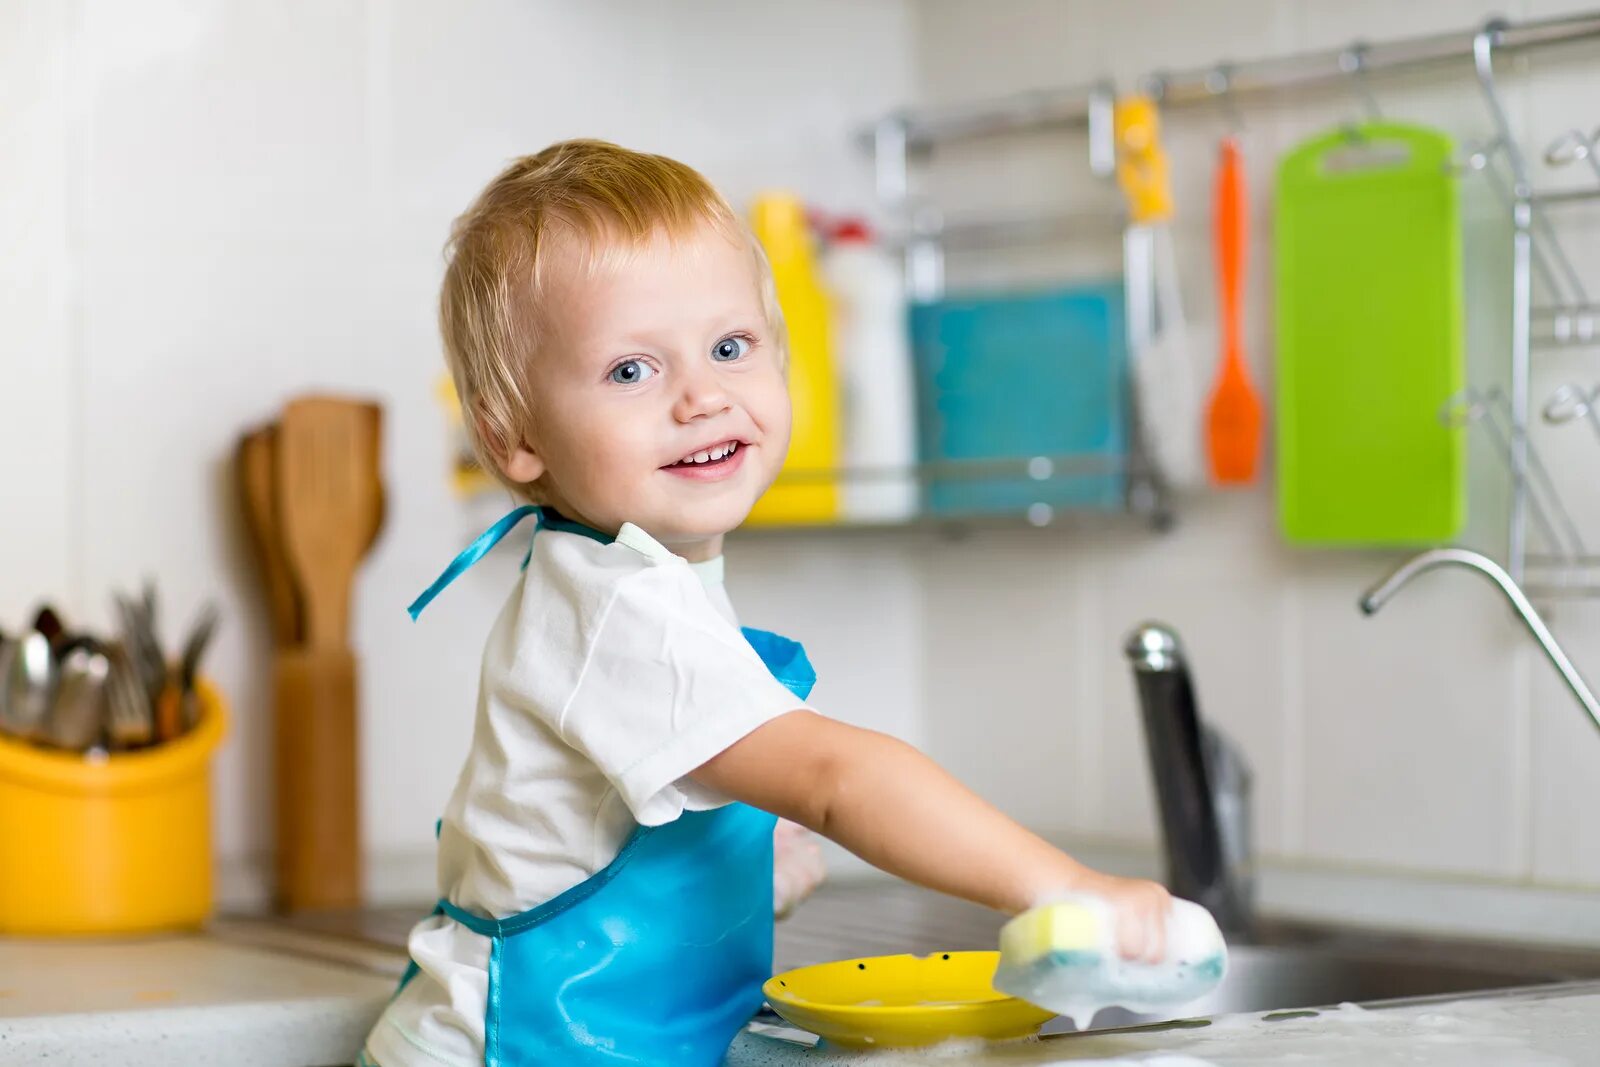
x,y
517,461
522,465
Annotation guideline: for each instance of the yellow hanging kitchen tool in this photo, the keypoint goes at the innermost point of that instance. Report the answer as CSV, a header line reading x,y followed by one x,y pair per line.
x,y
903,1001
1160,350
805,491
1141,161
466,476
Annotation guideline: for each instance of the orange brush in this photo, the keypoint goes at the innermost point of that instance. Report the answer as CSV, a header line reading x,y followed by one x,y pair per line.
x,y
1233,419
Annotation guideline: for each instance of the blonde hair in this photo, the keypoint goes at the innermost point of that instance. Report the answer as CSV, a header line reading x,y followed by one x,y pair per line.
x,y
614,200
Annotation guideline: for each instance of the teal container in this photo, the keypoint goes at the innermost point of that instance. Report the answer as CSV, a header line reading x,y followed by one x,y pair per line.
x,y
1020,375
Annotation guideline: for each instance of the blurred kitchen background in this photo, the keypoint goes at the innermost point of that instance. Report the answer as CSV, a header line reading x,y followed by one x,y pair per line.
x,y
208,208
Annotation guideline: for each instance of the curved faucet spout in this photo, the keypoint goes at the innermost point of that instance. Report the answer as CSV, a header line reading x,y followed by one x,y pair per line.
x,y
1379,595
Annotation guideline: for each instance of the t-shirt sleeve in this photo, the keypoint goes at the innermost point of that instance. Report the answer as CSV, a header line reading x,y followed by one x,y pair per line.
x,y
667,683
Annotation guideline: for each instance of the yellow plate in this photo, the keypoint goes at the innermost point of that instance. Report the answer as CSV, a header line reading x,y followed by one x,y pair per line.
x,y
903,1001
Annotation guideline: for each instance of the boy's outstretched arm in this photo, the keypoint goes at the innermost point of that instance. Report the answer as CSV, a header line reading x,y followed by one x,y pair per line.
x,y
898,810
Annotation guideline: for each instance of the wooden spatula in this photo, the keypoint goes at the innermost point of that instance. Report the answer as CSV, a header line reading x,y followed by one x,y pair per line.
x,y
330,504
254,463
317,778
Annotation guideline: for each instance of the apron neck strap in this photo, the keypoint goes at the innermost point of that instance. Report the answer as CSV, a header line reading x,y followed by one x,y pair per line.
x,y
546,518
551,519
472,554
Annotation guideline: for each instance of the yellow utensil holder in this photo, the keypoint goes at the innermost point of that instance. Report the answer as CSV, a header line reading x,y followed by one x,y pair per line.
x,y
119,845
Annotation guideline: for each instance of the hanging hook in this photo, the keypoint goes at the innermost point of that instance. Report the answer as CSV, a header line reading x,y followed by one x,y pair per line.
x,y
1474,156
1571,402
1101,113
1155,85
1219,83
1571,147
1484,42
1575,147
1353,61
1487,408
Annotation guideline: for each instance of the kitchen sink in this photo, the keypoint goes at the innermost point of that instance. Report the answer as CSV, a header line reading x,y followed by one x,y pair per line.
x,y
1271,978
1288,966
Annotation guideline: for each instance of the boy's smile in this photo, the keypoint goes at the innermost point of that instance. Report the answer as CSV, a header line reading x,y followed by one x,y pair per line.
x,y
712,464
659,386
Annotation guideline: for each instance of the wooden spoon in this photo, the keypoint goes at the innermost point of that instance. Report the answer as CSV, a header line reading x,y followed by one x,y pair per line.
x,y
254,462
380,512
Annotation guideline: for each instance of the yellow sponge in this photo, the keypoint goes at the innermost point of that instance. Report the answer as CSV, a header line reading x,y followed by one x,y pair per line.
x,y
1070,926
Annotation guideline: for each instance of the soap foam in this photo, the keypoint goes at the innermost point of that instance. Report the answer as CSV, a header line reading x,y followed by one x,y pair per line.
x,y
1078,983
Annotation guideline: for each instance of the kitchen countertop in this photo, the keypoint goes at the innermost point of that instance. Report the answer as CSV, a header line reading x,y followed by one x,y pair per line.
x,y
1526,1030
193,999
303,992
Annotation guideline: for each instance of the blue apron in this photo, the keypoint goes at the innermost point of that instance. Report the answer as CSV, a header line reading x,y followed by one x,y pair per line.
x,y
659,958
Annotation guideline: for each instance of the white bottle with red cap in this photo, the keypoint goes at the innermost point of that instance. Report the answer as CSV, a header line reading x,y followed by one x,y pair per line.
x,y
873,355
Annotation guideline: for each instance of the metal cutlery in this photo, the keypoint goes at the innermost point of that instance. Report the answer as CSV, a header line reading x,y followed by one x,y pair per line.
x,y
78,720
189,666
143,645
30,686
129,718
76,692
8,651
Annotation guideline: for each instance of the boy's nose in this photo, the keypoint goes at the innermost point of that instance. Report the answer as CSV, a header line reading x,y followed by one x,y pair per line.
x,y
701,395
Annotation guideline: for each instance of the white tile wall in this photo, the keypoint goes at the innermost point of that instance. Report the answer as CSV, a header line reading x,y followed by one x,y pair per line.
x,y
1409,724
217,205
1006,655
39,459
1432,736
1565,765
860,606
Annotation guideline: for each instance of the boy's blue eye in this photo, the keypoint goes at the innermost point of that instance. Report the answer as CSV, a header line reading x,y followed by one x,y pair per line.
x,y
631,372
729,349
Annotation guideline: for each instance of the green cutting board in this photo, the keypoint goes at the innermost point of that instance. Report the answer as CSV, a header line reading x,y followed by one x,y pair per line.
x,y
1369,324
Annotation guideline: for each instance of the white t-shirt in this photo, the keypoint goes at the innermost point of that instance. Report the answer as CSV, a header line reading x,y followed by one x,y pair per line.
x,y
613,671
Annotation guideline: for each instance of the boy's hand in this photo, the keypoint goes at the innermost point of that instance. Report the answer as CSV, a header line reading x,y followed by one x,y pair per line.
x,y
1142,909
797,867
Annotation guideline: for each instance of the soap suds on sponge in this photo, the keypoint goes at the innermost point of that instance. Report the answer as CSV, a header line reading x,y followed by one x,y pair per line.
x,y
1062,957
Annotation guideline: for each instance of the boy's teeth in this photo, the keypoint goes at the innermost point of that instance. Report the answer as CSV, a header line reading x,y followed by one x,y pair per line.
x,y
720,452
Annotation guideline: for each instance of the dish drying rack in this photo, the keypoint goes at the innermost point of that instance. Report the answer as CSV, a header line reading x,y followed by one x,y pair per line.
x,y
1569,316
905,140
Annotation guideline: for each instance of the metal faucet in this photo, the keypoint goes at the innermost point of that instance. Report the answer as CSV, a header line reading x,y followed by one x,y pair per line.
x,y
1379,595
1202,786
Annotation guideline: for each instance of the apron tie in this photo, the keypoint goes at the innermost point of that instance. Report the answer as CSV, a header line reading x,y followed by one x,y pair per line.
x,y
473,553
547,519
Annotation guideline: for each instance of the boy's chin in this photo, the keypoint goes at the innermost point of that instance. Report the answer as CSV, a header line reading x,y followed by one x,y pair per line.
x,y
704,524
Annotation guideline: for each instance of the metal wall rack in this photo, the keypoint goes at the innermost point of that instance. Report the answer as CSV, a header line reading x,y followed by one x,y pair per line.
x,y
904,140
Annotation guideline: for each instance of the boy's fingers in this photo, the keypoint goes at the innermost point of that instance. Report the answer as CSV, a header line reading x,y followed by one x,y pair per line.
x,y
1160,912
1130,934
1156,937
1142,926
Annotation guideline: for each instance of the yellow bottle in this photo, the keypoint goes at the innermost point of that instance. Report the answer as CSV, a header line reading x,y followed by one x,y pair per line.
x,y
804,492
